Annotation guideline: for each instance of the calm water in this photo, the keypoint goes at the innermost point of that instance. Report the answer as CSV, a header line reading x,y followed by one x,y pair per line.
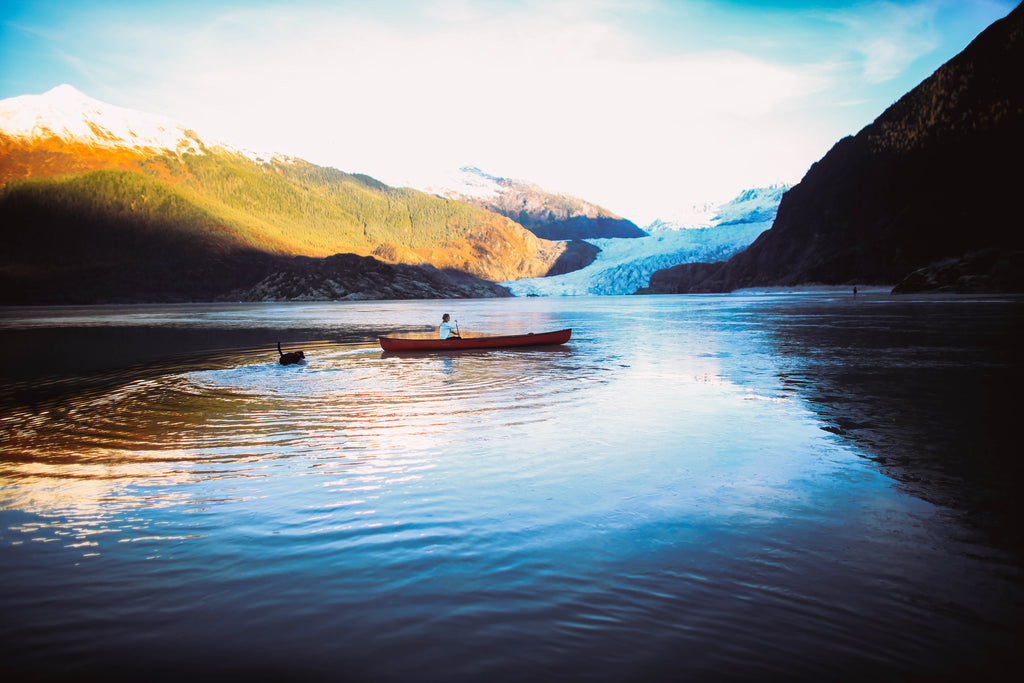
x,y
760,486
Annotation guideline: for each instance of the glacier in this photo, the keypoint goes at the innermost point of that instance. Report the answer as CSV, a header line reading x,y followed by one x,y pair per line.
x,y
625,265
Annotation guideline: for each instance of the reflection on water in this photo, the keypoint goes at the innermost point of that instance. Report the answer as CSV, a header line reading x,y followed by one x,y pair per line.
x,y
688,489
928,388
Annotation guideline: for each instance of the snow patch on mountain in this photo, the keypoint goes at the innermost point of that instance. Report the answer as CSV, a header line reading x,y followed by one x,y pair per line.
x,y
467,181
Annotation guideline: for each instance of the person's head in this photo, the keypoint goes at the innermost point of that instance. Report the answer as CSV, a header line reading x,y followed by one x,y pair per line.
x,y
445,318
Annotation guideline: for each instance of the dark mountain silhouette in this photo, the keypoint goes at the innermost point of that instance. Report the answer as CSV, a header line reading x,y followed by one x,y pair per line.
x,y
931,184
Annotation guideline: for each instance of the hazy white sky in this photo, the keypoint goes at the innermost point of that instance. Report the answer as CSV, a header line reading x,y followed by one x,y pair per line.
x,y
642,106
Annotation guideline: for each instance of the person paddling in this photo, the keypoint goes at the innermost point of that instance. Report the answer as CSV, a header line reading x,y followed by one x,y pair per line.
x,y
447,330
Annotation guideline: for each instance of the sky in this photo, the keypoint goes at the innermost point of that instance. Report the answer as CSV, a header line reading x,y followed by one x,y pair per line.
x,y
645,107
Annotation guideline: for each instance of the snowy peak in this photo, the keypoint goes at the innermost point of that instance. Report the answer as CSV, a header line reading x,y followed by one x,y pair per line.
x,y
72,116
756,205
471,182
751,206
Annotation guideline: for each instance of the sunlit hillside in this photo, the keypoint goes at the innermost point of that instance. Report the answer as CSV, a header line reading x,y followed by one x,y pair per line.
x,y
283,206
119,167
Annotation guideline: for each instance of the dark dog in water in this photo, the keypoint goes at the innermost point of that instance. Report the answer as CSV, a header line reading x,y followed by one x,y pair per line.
x,y
292,357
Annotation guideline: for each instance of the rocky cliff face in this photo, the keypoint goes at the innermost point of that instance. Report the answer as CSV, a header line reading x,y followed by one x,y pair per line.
x,y
932,179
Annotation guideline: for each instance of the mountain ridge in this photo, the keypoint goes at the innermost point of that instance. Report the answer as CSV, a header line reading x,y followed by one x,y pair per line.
x,y
548,215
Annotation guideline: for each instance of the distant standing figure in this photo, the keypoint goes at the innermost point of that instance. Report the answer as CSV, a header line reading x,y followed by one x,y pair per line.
x,y
855,291
447,330
292,357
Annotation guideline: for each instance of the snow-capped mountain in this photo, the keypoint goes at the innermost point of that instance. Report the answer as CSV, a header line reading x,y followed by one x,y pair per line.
x,y
625,265
66,113
549,215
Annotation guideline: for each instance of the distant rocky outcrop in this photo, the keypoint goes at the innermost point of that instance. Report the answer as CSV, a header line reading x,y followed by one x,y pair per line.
x,y
989,270
351,277
582,227
548,215
933,179
577,255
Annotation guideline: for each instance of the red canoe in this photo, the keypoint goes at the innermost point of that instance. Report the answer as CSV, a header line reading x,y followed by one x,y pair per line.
x,y
541,339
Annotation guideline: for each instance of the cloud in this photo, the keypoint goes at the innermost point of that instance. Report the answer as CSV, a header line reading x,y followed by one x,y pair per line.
x,y
577,96
566,100
889,37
